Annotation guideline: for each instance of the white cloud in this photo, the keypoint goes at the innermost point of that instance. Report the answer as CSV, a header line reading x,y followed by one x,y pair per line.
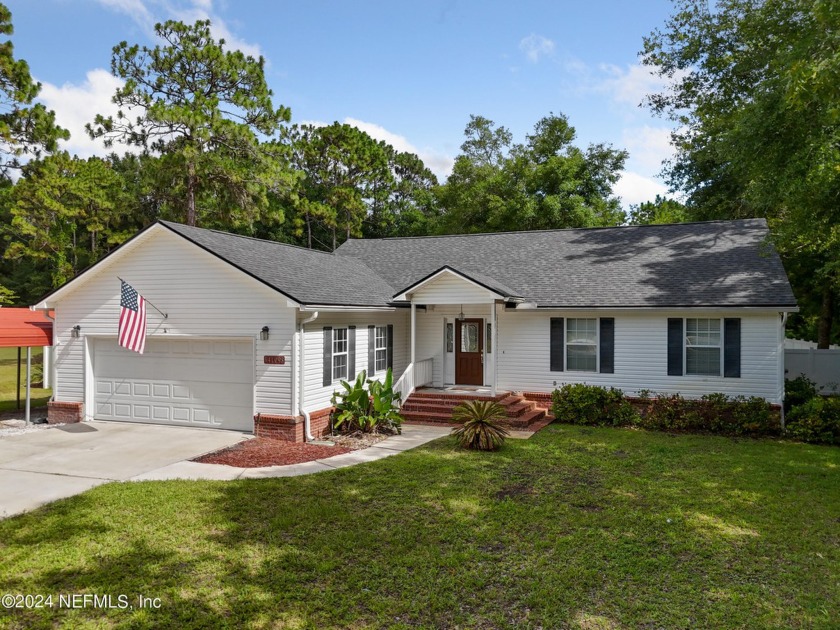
x,y
76,105
141,12
535,46
629,86
634,188
439,163
135,9
648,146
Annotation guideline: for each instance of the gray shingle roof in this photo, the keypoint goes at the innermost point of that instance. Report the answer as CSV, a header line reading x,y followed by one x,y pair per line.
x,y
305,275
717,263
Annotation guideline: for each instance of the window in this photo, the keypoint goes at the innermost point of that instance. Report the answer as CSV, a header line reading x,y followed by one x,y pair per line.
x,y
339,354
702,346
381,349
488,340
469,337
450,337
582,344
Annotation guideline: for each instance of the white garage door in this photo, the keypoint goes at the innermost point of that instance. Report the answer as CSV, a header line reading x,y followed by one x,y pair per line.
x,y
187,382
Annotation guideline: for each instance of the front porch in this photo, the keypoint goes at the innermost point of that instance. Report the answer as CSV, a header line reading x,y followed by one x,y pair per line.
x,y
453,349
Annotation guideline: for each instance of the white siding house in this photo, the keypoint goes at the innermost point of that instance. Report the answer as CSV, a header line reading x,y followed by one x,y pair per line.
x,y
254,332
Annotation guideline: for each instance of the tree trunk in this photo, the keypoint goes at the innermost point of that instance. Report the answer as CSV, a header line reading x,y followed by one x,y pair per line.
x,y
826,318
191,194
309,230
334,245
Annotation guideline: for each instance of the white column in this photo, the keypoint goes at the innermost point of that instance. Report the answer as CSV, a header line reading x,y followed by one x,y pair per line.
x,y
28,380
495,345
413,332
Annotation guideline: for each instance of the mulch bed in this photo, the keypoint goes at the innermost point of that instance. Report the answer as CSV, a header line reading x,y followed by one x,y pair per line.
x,y
260,452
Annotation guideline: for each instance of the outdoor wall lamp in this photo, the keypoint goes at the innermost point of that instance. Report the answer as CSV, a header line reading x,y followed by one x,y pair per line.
x,y
264,333
74,332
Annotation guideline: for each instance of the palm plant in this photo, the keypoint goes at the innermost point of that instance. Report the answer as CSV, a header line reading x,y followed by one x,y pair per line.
x,y
483,427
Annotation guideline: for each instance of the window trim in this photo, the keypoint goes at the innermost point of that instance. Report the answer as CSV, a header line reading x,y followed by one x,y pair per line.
x,y
377,348
597,344
346,353
719,347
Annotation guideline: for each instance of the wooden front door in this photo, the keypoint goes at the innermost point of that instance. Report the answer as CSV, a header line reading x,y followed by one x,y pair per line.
x,y
469,352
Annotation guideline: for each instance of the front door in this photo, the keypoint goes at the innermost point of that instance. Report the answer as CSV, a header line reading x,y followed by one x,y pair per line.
x,y
469,352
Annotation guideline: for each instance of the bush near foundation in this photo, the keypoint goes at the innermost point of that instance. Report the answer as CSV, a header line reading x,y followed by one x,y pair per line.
x,y
579,403
713,413
817,421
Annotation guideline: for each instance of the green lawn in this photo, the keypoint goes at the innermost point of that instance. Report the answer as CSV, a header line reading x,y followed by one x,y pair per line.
x,y
576,527
8,380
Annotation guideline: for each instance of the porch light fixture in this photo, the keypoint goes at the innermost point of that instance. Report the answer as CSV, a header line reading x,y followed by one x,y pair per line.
x,y
74,332
461,314
264,333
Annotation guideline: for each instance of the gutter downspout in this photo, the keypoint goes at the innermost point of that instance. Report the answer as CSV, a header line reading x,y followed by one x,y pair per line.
x,y
782,343
307,427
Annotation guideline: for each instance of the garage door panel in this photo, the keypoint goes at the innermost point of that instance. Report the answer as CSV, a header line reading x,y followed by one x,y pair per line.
x,y
185,382
211,368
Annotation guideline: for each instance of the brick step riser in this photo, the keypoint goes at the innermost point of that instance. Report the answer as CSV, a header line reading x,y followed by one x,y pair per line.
x,y
513,411
426,417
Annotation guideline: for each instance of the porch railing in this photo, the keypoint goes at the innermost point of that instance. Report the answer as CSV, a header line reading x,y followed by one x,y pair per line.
x,y
415,375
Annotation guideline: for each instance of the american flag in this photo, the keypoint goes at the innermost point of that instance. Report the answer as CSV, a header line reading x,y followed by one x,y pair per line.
x,y
132,333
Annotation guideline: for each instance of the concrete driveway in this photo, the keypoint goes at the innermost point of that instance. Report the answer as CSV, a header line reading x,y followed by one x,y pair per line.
x,y
42,466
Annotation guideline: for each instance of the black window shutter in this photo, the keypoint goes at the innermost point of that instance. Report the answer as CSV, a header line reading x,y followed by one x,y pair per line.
x,y
675,346
732,347
371,350
351,353
557,342
328,356
607,349
390,346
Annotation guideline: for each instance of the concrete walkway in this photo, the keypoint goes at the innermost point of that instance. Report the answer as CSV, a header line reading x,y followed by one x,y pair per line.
x,y
412,436
42,466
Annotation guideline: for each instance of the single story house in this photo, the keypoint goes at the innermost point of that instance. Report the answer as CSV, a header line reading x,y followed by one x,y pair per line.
x,y
257,334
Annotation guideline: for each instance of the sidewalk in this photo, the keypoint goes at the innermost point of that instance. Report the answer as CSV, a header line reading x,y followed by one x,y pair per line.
x,y
411,437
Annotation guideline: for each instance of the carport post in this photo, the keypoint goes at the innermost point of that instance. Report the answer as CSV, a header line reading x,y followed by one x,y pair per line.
x,y
18,380
28,380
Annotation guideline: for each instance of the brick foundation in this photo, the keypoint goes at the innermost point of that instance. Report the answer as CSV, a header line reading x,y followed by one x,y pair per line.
x,y
543,399
64,412
291,428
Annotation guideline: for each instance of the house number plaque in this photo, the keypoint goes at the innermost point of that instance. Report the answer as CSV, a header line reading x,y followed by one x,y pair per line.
x,y
274,359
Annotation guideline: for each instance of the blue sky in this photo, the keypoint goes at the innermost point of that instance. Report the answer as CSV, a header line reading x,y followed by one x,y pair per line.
x,y
407,72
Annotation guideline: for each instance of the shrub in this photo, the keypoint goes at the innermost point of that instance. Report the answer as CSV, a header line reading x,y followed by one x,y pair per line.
x,y
368,409
483,427
592,405
798,391
817,421
716,413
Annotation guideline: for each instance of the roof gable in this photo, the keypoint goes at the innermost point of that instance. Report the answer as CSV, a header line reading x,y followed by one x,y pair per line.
x,y
448,285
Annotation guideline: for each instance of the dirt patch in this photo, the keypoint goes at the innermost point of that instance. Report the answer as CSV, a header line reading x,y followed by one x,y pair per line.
x,y
515,491
267,452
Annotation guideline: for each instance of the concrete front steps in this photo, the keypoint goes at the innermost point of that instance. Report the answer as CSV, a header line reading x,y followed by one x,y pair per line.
x,y
435,407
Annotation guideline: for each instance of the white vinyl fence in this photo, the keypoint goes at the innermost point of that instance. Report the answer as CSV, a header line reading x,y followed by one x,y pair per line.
x,y
821,366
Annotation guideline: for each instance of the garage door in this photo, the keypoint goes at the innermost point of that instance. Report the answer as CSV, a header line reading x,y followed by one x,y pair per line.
x,y
185,382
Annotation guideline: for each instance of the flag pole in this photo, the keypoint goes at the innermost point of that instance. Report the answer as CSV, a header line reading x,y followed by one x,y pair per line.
x,y
165,315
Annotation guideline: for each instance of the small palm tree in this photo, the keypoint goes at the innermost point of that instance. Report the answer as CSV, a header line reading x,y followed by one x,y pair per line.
x,y
483,427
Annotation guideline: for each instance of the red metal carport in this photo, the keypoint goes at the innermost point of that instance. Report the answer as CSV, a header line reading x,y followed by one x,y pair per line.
x,y
23,328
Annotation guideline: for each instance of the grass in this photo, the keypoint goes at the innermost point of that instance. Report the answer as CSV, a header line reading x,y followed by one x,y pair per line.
x,y
577,527
8,380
